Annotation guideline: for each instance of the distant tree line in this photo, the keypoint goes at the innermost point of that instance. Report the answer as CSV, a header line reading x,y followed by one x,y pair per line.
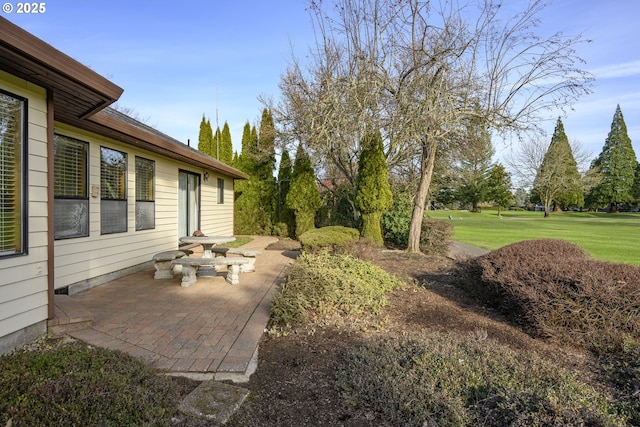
x,y
283,205
611,181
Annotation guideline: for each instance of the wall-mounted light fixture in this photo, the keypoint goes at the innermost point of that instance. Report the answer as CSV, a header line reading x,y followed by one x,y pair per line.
x,y
206,176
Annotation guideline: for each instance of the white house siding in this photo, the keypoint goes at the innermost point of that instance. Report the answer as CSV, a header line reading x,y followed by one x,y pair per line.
x,y
23,279
216,219
87,261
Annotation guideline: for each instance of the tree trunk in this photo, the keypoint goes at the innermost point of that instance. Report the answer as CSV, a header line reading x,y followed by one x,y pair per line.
x,y
613,208
427,163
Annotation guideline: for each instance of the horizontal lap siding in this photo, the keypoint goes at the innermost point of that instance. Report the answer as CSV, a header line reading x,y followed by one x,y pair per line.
x,y
217,219
89,257
23,279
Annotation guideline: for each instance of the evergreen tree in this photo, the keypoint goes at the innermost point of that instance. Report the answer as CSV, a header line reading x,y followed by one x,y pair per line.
x,y
205,137
266,152
521,197
256,198
226,146
373,193
246,195
474,161
215,145
244,161
636,187
617,164
558,180
285,214
303,197
499,187
265,168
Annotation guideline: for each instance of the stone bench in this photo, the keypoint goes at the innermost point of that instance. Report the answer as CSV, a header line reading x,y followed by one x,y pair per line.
x,y
190,268
249,254
162,262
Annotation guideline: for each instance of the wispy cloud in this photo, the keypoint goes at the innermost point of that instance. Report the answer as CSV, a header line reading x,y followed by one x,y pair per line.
x,y
624,69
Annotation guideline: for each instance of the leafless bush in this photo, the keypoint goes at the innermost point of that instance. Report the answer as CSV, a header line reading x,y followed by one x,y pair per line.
x,y
435,236
555,291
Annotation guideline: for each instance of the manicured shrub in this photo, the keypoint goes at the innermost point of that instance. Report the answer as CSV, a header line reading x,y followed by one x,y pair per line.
x,y
555,291
373,193
435,236
451,380
335,239
79,385
319,286
303,197
396,221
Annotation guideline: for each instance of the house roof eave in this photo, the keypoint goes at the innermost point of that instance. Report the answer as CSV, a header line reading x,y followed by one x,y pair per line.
x,y
81,96
81,91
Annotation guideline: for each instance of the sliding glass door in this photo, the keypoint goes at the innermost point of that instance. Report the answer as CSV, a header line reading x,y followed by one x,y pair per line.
x,y
188,203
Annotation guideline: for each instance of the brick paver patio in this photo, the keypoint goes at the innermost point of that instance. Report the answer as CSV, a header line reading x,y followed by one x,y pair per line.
x,y
209,330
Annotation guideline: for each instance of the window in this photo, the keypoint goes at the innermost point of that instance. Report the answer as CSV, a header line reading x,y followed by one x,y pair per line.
x,y
113,191
13,168
220,191
145,194
71,188
188,203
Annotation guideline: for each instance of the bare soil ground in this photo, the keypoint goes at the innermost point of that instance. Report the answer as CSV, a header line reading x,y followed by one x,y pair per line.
x,y
294,382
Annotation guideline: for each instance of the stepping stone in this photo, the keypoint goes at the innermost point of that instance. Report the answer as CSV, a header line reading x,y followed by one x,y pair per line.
x,y
213,400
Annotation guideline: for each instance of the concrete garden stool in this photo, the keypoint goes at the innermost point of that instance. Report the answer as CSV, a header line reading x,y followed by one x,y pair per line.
x,y
190,267
162,263
249,254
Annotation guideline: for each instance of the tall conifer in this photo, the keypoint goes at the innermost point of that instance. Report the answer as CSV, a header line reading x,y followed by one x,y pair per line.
x,y
266,153
373,193
617,165
284,213
558,179
226,145
205,136
499,184
303,197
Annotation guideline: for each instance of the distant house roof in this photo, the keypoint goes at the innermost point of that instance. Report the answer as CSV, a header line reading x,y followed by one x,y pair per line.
x,y
81,97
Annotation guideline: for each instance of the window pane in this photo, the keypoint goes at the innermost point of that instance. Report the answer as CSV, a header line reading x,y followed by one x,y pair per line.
x,y
220,191
71,187
113,174
70,167
113,218
145,205
12,111
113,190
145,215
71,218
145,172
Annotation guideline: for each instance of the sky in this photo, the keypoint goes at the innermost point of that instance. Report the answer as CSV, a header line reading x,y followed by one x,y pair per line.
x,y
180,60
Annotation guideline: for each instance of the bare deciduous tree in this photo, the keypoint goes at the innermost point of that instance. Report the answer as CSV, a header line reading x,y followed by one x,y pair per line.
x,y
418,70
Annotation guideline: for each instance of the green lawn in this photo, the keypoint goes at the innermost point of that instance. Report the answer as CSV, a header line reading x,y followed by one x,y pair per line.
x,y
609,237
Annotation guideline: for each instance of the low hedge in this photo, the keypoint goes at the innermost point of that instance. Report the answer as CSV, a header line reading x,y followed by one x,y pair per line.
x,y
451,380
319,286
335,239
80,385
